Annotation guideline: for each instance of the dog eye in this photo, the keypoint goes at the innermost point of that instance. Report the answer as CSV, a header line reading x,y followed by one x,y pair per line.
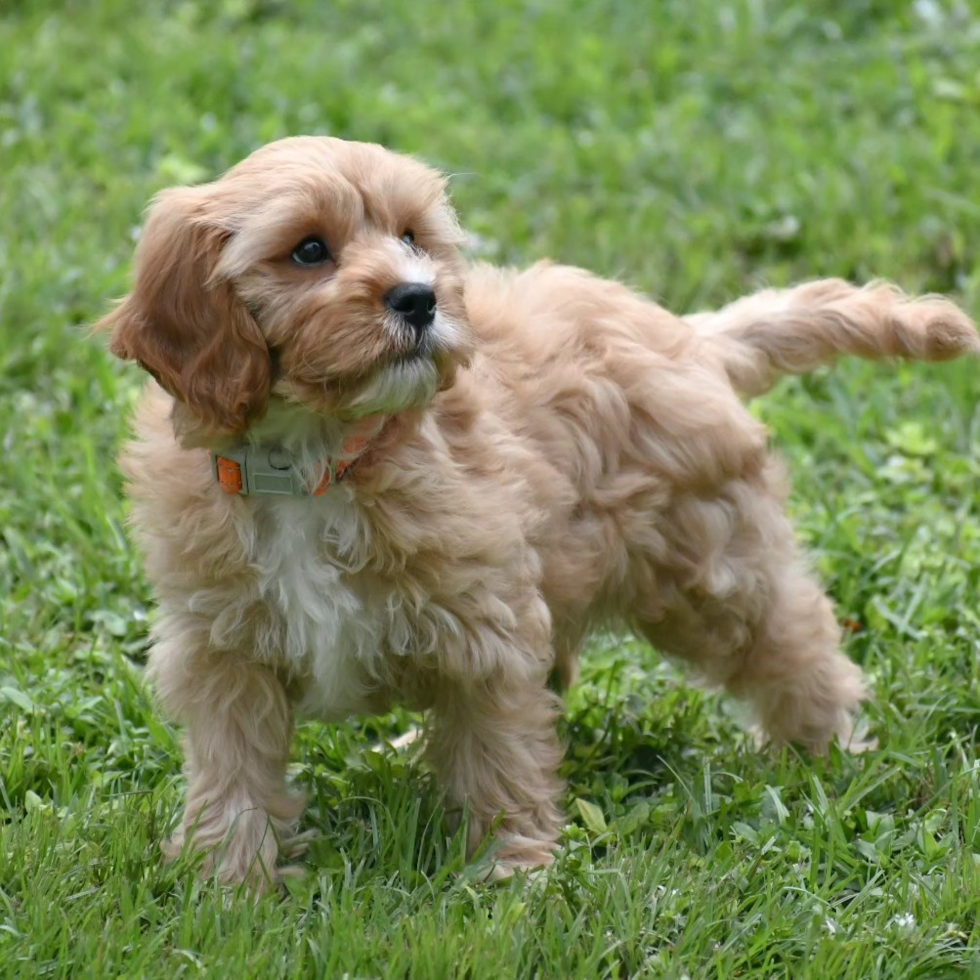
x,y
311,251
409,238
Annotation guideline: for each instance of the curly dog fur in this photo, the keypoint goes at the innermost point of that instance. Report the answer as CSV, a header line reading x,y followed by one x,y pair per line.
x,y
557,452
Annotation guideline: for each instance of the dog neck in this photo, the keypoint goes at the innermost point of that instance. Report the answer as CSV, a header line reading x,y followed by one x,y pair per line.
x,y
294,452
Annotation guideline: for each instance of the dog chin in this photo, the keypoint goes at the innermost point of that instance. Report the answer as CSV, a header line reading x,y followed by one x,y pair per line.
x,y
413,380
408,383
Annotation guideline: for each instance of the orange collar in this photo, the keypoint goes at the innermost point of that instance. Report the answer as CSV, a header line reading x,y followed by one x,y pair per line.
x,y
257,469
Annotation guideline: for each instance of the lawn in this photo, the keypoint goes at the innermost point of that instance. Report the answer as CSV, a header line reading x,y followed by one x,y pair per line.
x,y
690,147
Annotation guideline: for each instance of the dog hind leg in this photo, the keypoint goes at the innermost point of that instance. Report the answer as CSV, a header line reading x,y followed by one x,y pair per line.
x,y
744,611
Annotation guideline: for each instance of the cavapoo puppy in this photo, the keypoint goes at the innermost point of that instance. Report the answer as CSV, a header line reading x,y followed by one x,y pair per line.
x,y
367,473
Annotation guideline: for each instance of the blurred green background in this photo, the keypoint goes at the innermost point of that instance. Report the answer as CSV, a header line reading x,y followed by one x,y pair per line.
x,y
693,148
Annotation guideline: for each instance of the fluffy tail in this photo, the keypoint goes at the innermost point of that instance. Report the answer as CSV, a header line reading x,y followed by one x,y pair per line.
x,y
793,331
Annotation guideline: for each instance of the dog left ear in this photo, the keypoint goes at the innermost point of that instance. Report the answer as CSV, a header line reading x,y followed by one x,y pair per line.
x,y
185,325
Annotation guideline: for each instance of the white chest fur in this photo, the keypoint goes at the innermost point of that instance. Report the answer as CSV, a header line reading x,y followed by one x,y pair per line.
x,y
306,553
309,604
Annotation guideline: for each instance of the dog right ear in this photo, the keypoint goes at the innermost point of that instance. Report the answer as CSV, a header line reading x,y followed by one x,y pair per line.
x,y
185,325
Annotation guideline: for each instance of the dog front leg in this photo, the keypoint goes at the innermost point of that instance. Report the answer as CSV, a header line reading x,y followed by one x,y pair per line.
x,y
495,748
239,725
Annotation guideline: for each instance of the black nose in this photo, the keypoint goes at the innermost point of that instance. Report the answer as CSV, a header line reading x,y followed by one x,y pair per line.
x,y
415,302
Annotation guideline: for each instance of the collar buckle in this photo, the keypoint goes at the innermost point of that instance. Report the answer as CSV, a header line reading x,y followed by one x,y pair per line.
x,y
250,470
269,470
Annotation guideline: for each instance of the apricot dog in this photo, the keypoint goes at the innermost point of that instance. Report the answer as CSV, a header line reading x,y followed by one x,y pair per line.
x,y
367,473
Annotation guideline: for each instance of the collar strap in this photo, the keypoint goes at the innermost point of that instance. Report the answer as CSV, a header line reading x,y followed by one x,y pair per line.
x,y
252,470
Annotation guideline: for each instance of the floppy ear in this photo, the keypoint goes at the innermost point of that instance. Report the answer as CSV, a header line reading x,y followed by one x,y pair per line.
x,y
185,325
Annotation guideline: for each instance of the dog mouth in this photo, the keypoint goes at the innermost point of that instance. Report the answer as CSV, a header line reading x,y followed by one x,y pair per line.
x,y
409,381
424,350
412,367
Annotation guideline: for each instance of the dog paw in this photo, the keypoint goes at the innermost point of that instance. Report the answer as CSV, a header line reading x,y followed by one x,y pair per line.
x,y
859,739
500,872
239,848
513,854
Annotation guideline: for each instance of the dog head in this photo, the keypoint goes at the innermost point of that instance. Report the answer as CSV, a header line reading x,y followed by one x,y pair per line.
x,y
319,271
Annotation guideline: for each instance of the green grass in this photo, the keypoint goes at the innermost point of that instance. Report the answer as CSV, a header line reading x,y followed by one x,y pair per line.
x,y
694,149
